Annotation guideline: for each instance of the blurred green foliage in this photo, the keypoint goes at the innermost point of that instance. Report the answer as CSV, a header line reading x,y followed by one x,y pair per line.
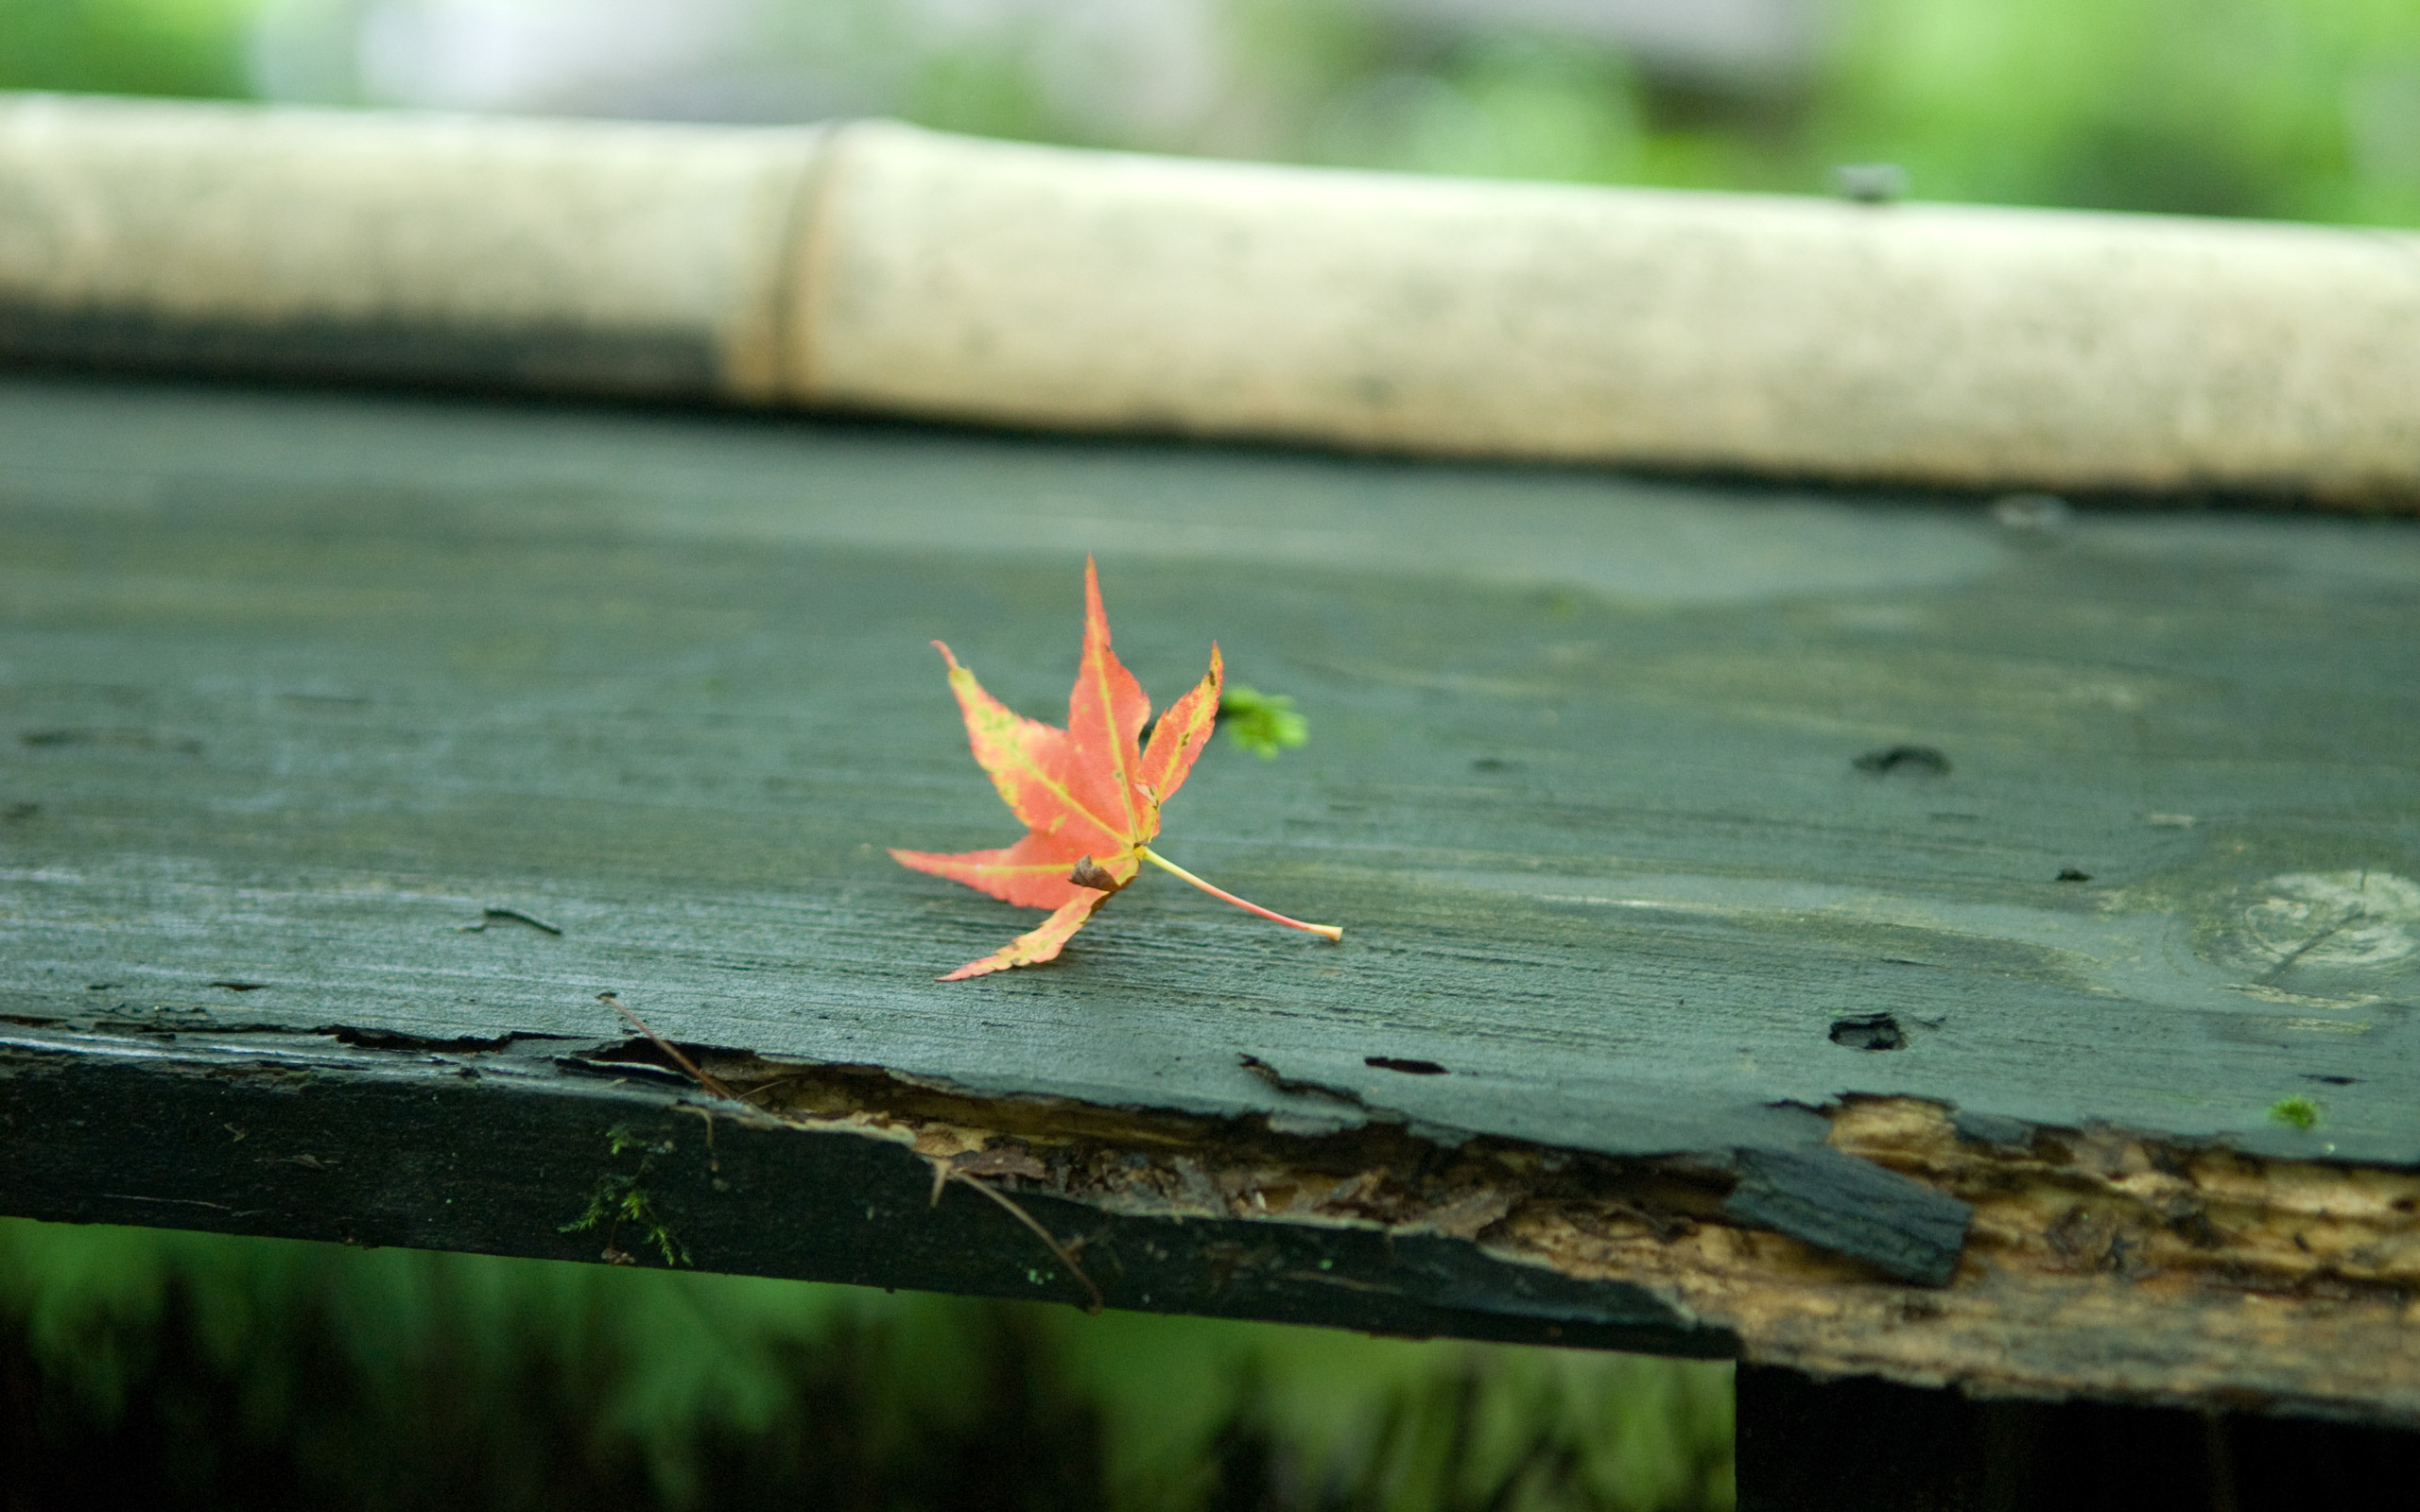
x,y
2303,109
252,1371
180,47
2292,108
2298,109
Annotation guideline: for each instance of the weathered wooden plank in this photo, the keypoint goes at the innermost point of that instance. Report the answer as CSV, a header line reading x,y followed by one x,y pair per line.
x,y
298,687
363,1146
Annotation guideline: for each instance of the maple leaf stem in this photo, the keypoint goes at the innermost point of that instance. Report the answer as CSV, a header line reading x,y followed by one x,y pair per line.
x,y
1328,932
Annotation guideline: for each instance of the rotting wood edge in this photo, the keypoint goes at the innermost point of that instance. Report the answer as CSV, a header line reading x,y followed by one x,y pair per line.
x,y
2100,1263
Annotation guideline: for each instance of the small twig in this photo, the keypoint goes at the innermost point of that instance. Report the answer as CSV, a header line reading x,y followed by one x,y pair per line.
x,y
762,1088
668,1047
942,1174
705,1116
1018,1211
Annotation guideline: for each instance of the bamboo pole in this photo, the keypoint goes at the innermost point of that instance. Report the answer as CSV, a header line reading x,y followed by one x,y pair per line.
x,y
875,267
598,256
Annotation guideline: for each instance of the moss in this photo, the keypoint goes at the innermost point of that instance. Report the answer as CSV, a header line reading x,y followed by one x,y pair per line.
x,y
1262,723
621,1198
2297,1111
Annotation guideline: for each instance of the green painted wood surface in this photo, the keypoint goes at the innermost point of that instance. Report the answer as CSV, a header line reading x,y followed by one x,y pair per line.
x,y
294,685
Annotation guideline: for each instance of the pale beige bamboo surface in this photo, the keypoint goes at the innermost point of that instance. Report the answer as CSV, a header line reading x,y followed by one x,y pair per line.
x,y
875,267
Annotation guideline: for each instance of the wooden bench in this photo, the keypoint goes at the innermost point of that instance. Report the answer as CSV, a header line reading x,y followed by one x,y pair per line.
x,y
1869,937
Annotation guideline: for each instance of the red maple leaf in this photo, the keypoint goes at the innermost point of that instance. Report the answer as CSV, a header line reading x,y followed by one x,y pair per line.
x,y
1089,798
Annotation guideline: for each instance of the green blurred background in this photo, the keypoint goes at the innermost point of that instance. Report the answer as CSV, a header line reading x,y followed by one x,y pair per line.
x,y
238,1372
142,1366
2295,109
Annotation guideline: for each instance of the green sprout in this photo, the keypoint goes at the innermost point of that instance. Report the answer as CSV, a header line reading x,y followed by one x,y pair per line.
x,y
2297,1111
1262,723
